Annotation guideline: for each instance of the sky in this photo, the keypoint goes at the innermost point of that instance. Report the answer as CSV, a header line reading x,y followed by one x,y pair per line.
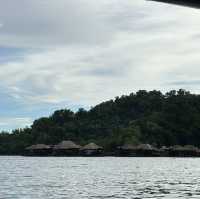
x,y
72,54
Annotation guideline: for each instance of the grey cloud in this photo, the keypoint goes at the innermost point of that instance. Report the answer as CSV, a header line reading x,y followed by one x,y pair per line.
x,y
185,83
100,72
41,23
10,123
101,49
37,23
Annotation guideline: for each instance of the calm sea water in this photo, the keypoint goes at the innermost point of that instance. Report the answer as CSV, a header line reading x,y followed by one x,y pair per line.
x,y
98,178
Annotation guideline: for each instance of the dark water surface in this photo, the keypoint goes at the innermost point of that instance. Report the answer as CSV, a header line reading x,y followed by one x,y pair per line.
x,y
109,177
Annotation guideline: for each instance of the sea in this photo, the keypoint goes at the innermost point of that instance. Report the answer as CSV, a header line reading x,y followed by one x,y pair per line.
x,y
98,178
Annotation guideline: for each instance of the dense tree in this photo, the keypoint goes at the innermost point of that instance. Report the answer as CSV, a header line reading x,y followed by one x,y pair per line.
x,y
142,117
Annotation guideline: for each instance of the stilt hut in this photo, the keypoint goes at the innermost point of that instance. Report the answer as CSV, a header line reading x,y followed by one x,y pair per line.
x,y
184,151
91,149
164,151
126,150
141,150
147,150
66,148
38,150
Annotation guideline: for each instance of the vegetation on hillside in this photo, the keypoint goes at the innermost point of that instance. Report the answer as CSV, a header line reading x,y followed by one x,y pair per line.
x,y
143,117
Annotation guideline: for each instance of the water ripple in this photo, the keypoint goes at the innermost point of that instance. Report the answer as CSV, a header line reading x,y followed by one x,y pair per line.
x,y
99,178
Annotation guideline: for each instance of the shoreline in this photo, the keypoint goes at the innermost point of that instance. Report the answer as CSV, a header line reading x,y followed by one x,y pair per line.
x,y
173,157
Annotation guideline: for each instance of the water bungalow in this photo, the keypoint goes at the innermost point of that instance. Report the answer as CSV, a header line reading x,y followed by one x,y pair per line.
x,y
38,150
148,150
126,150
66,148
184,151
142,150
69,148
91,149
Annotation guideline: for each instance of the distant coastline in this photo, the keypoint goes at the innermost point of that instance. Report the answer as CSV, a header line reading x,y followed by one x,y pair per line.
x,y
71,149
162,121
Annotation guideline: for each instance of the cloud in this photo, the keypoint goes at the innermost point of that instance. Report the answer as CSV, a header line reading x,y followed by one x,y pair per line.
x,y
9,123
65,53
53,23
191,82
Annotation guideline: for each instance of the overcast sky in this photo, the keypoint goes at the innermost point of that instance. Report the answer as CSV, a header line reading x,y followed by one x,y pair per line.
x,y
77,53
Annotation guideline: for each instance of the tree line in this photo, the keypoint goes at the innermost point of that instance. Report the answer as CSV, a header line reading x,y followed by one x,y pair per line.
x,y
150,117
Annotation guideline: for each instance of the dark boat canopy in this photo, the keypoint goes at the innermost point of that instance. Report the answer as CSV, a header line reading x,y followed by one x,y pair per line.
x,y
188,3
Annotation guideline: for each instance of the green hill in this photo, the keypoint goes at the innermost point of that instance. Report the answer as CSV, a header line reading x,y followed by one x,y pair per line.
x,y
142,117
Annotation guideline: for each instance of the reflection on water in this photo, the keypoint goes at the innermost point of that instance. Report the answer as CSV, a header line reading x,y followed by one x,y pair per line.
x,y
109,177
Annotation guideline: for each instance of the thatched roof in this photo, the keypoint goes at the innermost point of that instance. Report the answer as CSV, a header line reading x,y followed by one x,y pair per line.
x,y
128,147
191,148
184,148
38,147
66,144
177,148
145,147
91,146
164,148
138,147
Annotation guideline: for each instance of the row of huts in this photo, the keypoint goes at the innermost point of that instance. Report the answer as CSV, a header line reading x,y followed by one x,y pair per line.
x,y
69,148
147,150
64,148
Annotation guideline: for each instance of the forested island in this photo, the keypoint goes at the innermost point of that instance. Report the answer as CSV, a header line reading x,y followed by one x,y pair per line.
x,y
144,117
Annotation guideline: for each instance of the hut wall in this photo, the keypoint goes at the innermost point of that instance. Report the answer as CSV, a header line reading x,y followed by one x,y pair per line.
x,y
66,152
183,153
91,152
138,153
126,152
39,152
